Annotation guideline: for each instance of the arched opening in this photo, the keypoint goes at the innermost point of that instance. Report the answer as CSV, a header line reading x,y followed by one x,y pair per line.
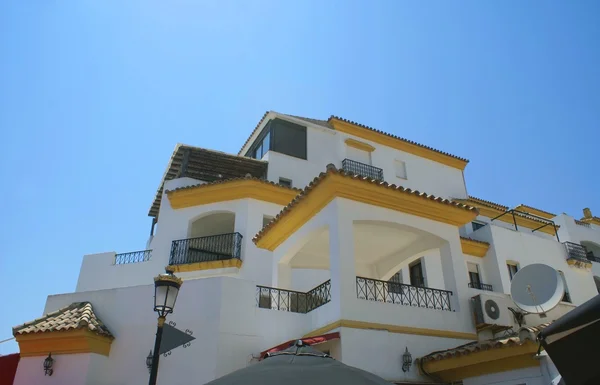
x,y
211,237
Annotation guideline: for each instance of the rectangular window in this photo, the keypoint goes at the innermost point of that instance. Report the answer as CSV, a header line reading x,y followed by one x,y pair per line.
x,y
400,168
474,275
416,274
477,225
512,269
288,138
285,182
394,283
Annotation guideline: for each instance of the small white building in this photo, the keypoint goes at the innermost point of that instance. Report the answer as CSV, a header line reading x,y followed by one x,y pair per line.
x,y
318,227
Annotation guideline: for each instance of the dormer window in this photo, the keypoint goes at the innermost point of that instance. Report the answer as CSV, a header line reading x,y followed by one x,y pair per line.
x,y
280,136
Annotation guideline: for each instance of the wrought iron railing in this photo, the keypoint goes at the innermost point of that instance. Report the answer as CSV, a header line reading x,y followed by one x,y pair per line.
x,y
584,224
576,251
362,169
480,286
133,257
205,249
293,301
402,294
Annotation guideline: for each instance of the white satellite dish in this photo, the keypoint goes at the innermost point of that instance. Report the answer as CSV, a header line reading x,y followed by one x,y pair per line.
x,y
537,288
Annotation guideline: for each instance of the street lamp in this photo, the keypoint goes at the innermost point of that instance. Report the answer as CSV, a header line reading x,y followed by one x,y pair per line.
x,y
166,288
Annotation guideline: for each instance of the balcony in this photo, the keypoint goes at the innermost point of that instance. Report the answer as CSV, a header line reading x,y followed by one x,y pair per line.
x,y
133,257
362,169
577,255
402,294
293,301
212,248
480,286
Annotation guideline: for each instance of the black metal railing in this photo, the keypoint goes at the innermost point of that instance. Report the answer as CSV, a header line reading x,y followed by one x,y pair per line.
x,y
402,294
133,257
576,251
205,249
293,301
480,286
362,169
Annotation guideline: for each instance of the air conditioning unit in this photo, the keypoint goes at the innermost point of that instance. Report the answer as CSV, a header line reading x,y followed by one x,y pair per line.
x,y
492,311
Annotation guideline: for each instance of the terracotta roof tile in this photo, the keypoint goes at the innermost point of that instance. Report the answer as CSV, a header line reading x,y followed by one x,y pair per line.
x,y
78,315
247,177
331,169
489,203
475,240
396,137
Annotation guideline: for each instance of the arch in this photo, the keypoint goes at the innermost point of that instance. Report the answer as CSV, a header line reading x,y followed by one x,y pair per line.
x,y
212,223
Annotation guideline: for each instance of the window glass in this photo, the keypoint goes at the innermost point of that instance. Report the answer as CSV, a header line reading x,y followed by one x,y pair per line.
x,y
285,182
512,270
288,138
266,144
477,225
473,274
416,274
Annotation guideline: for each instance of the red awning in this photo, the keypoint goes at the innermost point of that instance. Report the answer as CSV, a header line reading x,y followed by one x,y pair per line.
x,y
8,368
308,341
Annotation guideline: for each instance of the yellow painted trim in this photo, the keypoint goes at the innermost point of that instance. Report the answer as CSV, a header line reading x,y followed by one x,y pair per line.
x,y
522,221
484,362
391,329
579,263
210,265
228,191
359,145
592,220
534,211
398,144
63,342
337,186
474,248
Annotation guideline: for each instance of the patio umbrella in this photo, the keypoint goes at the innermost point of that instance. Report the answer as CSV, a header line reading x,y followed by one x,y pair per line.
x,y
299,365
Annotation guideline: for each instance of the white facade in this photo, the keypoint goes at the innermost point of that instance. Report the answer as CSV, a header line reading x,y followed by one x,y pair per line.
x,y
343,240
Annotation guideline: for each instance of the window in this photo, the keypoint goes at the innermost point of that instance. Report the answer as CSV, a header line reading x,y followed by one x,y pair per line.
x,y
285,182
512,269
280,136
474,275
416,274
400,168
266,220
477,225
566,297
394,283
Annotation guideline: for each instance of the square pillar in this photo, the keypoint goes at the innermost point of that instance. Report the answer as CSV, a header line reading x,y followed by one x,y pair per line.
x,y
455,274
342,261
282,276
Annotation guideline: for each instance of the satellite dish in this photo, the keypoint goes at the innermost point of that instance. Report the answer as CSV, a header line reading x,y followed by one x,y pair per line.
x,y
537,288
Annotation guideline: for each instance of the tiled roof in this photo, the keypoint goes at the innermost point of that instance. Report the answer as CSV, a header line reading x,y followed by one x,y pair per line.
x,y
493,205
475,240
247,177
524,335
327,124
78,315
528,209
331,170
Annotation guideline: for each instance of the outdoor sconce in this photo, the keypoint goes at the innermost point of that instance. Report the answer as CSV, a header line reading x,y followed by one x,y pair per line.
x,y
406,360
149,361
48,362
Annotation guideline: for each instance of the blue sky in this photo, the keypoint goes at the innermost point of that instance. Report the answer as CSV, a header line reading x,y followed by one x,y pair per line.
x,y
94,95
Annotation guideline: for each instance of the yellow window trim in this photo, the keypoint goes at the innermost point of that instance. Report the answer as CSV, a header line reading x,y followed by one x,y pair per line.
x,y
398,144
475,248
391,329
228,191
484,362
210,265
522,221
359,145
337,186
534,211
63,342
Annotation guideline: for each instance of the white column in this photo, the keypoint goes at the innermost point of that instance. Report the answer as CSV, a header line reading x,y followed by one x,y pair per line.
x,y
342,261
282,276
455,273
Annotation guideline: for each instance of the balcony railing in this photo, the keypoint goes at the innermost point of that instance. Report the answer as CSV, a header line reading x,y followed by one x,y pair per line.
x,y
133,257
402,294
480,286
576,251
205,249
362,169
293,301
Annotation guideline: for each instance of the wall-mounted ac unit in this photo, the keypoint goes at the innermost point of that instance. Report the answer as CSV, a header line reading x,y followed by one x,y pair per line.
x,y
492,311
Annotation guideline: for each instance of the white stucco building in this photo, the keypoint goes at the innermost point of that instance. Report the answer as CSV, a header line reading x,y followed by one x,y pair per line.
x,y
318,228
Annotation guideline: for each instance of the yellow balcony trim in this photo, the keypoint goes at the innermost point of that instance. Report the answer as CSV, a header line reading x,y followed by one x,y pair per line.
x,y
63,342
397,143
231,190
209,265
391,329
473,247
359,145
506,358
534,211
337,185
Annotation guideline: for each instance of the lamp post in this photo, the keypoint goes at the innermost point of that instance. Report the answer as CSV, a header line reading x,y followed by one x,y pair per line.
x,y
166,288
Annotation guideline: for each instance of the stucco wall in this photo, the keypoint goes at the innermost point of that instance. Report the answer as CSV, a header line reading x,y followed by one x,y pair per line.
x,y
72,369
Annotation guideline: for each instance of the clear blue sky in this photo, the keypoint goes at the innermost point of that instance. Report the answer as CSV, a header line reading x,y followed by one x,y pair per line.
x,y
94,95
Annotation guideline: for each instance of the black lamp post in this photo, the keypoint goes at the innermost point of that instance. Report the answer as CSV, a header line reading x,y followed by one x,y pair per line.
x,y
166,288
